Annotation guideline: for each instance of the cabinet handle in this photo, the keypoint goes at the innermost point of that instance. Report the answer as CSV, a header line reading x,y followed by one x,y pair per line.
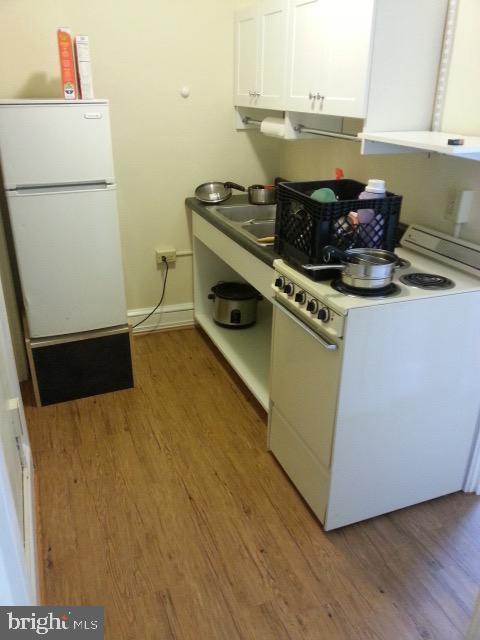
x,y
311,96
257,94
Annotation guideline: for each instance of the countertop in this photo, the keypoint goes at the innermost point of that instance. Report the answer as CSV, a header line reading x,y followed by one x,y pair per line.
x,y
265,254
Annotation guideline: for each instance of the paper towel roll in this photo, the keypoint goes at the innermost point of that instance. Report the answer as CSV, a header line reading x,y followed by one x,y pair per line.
x,y
273,127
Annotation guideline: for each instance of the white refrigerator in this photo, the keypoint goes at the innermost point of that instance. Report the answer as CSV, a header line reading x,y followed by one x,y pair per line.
x,y
58,176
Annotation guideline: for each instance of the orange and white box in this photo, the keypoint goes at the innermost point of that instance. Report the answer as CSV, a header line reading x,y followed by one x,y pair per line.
x,y
84,68
67,64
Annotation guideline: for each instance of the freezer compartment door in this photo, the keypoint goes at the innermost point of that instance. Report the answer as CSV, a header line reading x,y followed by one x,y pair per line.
x,y
68,253
49,144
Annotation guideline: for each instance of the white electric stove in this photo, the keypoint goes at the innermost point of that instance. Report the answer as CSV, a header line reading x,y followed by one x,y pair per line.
x,y
376,400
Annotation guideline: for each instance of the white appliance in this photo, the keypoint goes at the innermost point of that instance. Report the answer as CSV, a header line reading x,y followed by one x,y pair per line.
x,y
58,176
375,401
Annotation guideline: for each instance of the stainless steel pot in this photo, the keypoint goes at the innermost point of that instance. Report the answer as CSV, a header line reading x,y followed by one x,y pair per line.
x,y
215,192
361,268
262,194
235,304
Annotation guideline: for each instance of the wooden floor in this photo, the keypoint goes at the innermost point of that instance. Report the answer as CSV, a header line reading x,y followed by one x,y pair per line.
x,y
163,505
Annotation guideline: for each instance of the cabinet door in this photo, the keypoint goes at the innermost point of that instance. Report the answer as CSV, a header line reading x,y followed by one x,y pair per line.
x,y
272,51
307,47
346,58
246,45
329,56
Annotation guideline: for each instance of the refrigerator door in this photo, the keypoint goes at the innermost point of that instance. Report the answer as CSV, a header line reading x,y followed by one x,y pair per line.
x,y
49,143
68,253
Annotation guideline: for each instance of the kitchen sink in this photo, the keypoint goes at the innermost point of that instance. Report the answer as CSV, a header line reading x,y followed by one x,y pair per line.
x,y
260,229
246,212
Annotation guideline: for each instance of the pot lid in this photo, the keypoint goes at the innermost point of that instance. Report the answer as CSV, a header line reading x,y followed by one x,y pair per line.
x,y
235,291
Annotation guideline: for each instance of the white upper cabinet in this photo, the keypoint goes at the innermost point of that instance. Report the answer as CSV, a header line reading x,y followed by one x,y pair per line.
x,y
370,60
260,55
306,45
329,53
272,53
347,57
246,37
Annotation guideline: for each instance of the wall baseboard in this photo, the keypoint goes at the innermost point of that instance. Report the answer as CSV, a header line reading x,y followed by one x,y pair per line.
x,y
166,317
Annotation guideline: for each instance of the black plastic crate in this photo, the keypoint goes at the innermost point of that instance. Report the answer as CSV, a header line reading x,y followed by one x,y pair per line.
x,y
304,226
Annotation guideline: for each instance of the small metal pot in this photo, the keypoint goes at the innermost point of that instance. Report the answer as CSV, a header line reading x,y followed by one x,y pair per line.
x,y
262,194
235,304
215,192
361,268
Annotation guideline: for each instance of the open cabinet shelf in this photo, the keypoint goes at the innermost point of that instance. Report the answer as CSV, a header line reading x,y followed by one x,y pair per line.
x,y
247,350
430,141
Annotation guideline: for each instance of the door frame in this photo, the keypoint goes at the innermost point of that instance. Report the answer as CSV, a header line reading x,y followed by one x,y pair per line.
x,y
18,554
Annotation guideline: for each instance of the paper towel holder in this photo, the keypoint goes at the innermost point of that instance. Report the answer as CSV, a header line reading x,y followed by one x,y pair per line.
x,y
300,128
248,120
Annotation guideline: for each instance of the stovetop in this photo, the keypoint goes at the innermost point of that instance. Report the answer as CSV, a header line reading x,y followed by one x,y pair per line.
x,y
418,263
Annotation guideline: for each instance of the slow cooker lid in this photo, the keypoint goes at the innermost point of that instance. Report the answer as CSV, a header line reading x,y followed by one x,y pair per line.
x,y
235,291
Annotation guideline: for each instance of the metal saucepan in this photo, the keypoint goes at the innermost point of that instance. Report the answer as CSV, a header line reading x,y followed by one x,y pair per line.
x,y
215,192
361,268
262,194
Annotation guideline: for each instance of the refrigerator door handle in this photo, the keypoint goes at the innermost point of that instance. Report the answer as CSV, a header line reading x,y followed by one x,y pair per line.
x,y
32,190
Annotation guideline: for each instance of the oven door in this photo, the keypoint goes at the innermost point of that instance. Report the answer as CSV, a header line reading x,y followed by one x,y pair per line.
x,y
305,379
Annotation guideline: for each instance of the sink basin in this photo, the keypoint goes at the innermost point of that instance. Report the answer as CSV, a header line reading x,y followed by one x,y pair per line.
x,y
245,212
260,229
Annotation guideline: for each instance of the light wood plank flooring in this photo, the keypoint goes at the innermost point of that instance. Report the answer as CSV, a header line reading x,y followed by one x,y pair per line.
x,y
163,505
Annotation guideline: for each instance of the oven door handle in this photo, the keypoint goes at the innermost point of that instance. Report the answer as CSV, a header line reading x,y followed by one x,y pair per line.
x,y
331,346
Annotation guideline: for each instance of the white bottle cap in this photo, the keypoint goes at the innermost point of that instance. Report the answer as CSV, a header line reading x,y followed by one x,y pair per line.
x,y
375,186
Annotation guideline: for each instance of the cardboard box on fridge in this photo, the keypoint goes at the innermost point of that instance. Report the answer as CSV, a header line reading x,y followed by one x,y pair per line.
x,y
84,68
67,65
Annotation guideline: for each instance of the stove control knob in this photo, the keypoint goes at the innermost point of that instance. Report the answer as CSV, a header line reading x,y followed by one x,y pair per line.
x,y
312,305
289,289
279,282
301,297
324,314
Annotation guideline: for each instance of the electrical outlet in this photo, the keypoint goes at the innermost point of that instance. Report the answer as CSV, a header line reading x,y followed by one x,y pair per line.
x,y
451,203
168,252
462,206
